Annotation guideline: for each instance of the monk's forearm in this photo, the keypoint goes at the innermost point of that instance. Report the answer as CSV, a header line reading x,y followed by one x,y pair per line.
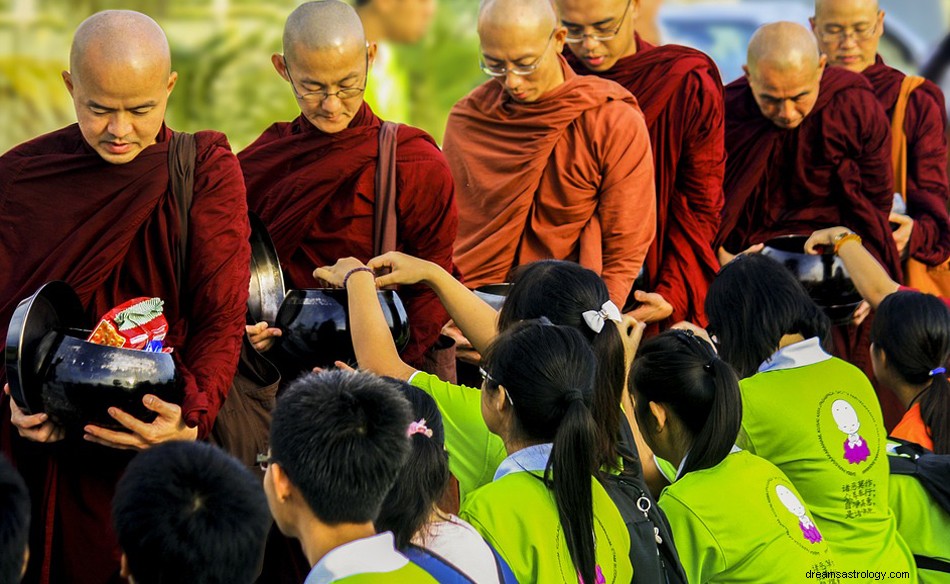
x,y
372,341
475,318
869,277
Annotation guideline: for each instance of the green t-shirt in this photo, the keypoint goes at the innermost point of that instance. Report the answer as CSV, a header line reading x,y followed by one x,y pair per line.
x,y
923,524
474,452
408,573
821,424
743,521
517,515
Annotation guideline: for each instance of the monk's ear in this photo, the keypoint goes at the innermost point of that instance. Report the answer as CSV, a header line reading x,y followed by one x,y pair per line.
x,y
822,62
371,49
634,10
559,38
68,80
811,22
745,70
280,65
172,80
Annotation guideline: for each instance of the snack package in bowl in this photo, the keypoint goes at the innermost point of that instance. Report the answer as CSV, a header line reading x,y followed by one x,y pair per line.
x,y
136,324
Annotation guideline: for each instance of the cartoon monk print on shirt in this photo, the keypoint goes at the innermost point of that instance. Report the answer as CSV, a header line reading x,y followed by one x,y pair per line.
x,y
856,448
797,508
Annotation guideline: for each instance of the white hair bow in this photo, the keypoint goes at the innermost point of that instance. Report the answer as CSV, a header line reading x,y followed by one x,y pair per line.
x,y
595,319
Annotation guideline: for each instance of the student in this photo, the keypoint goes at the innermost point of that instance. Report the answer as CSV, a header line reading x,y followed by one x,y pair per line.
x,y
814,416
14,523
544,511
338,442
440,542
736,517
188,512
910,347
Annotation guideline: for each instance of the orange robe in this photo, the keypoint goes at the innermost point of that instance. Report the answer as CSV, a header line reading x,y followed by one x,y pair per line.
x,y
568,177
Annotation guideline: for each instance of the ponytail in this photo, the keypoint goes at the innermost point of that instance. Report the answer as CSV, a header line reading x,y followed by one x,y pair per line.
x,y
935,412
549,372
683,372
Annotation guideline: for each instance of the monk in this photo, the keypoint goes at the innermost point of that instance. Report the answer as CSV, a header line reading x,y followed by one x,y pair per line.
x,y
849,32
312,180
807,147
680,93
90,204
548,164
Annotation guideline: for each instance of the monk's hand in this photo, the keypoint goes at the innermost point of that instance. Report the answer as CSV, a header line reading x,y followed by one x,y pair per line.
x,y
860,313
400,268
905,227
262,335
653,307
168,425
631,333
824,238
337,365
35,427
696,330
725,256
335,274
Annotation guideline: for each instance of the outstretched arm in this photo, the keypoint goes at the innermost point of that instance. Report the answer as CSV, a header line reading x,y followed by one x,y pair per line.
x,y
869,276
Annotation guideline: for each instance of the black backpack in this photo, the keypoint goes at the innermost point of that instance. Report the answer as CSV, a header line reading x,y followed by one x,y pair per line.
x,y
933,472
652,551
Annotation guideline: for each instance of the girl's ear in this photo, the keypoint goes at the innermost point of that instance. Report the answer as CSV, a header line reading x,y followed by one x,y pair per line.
x,y
659,417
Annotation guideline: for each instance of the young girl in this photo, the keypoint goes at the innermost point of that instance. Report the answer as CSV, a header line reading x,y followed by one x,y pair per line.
x,y
814,416
736,517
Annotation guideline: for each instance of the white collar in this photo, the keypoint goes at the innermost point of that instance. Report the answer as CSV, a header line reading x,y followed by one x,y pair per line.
x,y
800,354
350,559
530,459
679,471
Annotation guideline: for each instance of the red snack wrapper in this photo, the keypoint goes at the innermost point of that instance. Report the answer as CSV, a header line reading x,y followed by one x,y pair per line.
x,y
136,324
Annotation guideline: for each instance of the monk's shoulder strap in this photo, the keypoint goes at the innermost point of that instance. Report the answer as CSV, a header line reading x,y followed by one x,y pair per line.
x,y
182,153
385,221
898,136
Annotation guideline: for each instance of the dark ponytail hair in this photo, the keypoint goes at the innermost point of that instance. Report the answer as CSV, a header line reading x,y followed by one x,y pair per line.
x,y
561,292
425,476
752,303
683,372
913,330
548,372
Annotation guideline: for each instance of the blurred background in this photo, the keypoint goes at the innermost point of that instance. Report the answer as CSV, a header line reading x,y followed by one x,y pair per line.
x,y
221,50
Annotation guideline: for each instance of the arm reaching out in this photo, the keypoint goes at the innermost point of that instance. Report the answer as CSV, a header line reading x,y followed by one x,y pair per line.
x,y
869,277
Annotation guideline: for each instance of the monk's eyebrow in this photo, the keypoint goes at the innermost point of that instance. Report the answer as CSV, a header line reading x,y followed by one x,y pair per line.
x,y
596,24
145,105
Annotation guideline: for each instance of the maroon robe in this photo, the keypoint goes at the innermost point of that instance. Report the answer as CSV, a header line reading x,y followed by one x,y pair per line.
x,y
927,192
681,96
833,169
111,231
315,192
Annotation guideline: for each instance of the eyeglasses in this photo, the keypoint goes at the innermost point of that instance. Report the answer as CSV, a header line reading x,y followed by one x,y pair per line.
x,y
315,97
575,36
487,378
263,460
520,70
839,34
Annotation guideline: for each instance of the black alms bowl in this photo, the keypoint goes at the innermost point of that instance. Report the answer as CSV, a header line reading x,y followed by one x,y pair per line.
x,y
315,327
824,276
51,368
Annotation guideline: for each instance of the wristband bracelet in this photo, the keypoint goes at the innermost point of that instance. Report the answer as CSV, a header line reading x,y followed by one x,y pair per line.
x,y
841,239
346,278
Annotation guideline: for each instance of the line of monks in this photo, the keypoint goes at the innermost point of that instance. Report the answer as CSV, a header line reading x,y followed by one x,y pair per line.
x,y
586,144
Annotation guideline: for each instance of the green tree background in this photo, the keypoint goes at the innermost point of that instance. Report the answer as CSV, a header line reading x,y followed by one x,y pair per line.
x,y
221,50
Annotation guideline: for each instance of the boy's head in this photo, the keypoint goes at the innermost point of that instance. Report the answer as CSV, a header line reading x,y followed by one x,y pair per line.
x,y
188,512
15,523
338,441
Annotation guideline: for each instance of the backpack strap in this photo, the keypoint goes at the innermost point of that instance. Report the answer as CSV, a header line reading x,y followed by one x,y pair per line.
x,y
384,213
182,152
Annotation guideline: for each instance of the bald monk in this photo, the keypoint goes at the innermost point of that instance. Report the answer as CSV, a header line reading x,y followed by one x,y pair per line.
x,y
312,180
681,96
849,32
91,204
547,164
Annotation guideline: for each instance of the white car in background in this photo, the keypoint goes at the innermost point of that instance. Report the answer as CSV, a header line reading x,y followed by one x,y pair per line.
x,y
722,30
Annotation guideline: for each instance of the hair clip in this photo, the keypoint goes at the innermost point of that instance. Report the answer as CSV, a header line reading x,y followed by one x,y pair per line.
x,y
937,371
420,428
595,319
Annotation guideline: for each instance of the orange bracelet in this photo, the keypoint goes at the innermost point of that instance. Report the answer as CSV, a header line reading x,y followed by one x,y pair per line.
x,y
846,237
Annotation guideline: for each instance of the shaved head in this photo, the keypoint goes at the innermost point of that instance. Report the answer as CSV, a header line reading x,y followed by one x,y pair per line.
x,y
822,5
324,25
120,78
848,31
537,15
783,46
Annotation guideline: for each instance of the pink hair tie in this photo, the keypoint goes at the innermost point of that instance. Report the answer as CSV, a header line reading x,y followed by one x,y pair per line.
x,y
420,428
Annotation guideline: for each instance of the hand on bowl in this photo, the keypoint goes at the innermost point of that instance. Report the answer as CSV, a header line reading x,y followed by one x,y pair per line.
x,y
262,336
335,274
168,426
725,257
653,307
823,238
38,427
402,269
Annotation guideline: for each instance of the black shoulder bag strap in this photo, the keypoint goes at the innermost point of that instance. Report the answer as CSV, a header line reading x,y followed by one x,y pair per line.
x,y
181,176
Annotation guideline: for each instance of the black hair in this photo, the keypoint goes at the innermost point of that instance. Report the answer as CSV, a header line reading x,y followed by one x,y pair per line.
x,y
15,523
341,438
188,512
913,330
752,303
683,372
562,291
548,372
425,476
